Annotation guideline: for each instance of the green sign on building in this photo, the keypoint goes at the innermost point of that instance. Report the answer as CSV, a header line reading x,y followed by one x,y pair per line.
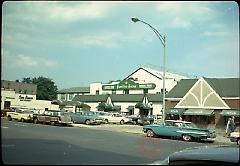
x,y
128,85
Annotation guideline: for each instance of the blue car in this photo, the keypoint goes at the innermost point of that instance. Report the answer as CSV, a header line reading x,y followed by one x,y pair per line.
x,y
184,130
86,118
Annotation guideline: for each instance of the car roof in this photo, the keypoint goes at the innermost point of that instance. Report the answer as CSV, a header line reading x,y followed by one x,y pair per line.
x,y
218,153
177,121
55,110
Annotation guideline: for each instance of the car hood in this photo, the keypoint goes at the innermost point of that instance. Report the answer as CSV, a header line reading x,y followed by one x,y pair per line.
x,y
218,153
214,153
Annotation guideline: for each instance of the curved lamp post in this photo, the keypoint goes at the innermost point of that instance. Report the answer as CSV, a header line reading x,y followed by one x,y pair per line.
x,y
163,41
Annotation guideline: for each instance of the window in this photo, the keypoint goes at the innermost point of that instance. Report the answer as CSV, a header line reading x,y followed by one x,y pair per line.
x,y
126,92
145,91
70,96
62,96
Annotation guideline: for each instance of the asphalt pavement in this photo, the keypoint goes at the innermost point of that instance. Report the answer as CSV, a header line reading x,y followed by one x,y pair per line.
x,y
136,129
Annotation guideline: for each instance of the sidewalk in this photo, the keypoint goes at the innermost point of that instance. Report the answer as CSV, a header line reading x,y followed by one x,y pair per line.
x,y
221,138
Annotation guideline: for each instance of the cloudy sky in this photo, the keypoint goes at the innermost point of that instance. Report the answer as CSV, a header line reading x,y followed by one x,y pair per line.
x,y
78,43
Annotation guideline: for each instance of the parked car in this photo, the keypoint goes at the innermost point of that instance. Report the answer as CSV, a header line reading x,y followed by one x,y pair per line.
x,y
235,136
113,117
134,119
4,111
145,120
203,155
141,119
23,115
53,117
184,130
86,118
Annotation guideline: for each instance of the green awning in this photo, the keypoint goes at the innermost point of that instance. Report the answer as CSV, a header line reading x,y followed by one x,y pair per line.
x,y
230,113
141,106
199,112
131,107
174,111
116,107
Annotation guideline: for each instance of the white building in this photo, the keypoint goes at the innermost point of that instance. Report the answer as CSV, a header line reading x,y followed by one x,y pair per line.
x,y
143,86
22,95
150,80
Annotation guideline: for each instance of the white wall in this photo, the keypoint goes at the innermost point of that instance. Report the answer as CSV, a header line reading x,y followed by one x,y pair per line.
x,y
22,100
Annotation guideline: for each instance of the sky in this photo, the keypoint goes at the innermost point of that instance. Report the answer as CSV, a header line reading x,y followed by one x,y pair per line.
x,y
81,42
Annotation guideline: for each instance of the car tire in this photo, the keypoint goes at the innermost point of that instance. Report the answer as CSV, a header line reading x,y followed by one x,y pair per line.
x,y
186,137
134,122
9,118
150,133
35,120
238,141
122,122
106,121
87,122
22,120
52,123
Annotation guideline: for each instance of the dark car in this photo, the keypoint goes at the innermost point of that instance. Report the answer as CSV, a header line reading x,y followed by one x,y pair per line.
x,y
141,119
203,155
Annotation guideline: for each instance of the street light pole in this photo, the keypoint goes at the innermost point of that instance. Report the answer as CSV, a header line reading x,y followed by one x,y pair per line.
x,y
163,41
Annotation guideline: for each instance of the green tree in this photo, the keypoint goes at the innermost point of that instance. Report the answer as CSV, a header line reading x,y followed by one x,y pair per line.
x,y
46,88
27,80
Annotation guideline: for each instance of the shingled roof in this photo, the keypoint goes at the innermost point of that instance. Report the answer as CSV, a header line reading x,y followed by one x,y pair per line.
x,y
118,98
225,87
75,90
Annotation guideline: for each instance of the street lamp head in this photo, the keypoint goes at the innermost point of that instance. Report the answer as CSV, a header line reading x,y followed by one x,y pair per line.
x,y
135,19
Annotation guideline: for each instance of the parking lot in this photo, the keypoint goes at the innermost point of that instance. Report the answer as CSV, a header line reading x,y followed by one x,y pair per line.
x,y
137,129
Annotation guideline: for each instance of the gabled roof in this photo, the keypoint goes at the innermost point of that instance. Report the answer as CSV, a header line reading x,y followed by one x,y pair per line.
x,y
90,98
225,87
182,87
159,73
75,90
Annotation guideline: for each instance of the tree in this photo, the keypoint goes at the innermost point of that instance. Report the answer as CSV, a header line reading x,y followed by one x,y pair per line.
x,y
27,80
46,88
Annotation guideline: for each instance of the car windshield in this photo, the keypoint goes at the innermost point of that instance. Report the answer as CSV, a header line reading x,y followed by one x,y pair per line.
x,y
189,125
89,114
28,111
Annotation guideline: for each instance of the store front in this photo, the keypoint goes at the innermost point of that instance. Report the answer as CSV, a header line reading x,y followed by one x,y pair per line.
x,y
204,100
231,113
174,114
201,117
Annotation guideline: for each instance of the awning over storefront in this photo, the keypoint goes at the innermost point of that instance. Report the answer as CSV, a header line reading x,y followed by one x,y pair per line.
x,y
230,113
116,108
173,111
58,102
199,112
108,107
142,106
131,107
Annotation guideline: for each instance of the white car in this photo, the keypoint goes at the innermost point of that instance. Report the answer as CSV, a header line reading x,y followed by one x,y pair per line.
x,y
113,117
20,115
235,136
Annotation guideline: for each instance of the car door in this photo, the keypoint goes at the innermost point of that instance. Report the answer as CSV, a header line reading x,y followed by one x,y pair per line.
x,y
167,129
78,117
